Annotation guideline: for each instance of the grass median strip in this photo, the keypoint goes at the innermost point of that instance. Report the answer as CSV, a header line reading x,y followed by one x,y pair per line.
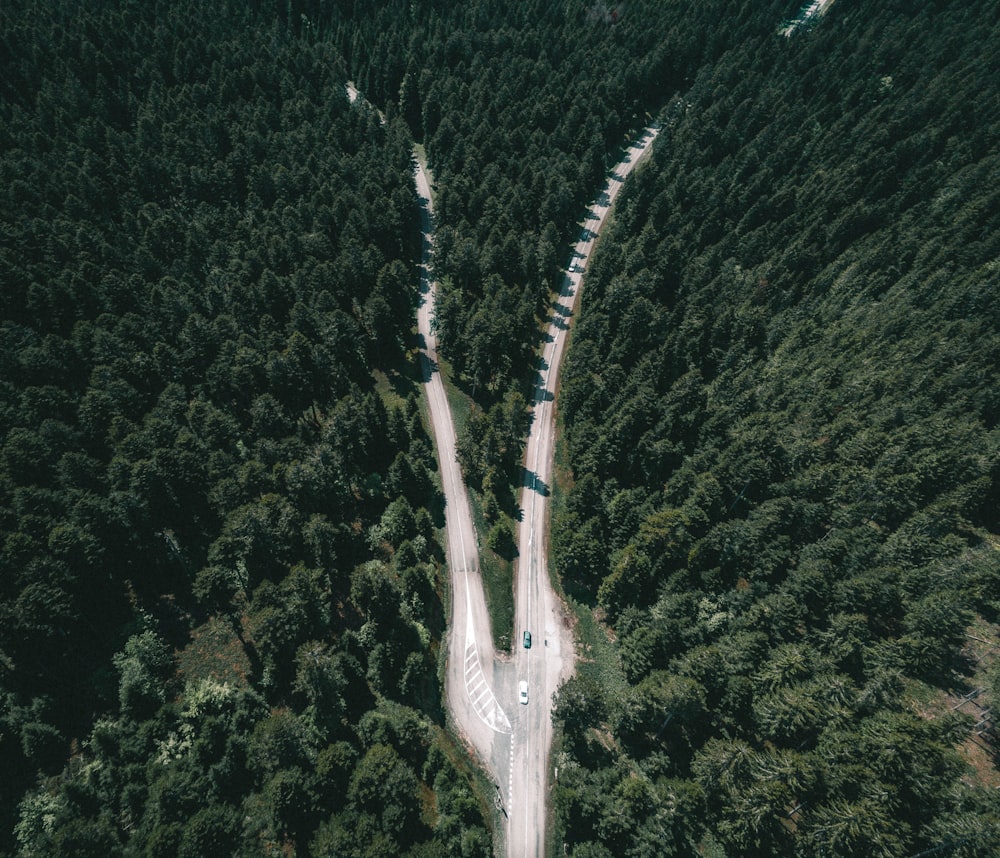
x,y
496,571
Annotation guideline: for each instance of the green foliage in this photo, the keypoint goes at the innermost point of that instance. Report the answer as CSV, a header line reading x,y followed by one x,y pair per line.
x,y
281,618
518,106
209,262
492,442
780,410
578,705
501,540
144,665
213,830
384,785
780,414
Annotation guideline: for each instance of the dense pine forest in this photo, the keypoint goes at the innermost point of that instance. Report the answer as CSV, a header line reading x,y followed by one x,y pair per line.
x,y
221,589
220,604
521,106
781,414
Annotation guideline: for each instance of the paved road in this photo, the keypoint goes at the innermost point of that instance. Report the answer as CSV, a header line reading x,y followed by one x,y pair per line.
x,y
471,664
550,659
471,669
511,740
812,9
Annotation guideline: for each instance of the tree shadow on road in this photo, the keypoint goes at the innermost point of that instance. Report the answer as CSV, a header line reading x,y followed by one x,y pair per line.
x,y
558,322
427,367
531,480
566,289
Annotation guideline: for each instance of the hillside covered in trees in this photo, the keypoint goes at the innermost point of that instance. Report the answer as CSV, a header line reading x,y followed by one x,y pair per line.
x,y
780,410
220,603
220,589
520,106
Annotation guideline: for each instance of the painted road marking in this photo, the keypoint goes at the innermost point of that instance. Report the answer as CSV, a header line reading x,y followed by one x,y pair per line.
x,y
484,703
510,775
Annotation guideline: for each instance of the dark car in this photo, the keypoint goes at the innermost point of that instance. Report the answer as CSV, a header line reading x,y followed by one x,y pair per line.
x,y
527,640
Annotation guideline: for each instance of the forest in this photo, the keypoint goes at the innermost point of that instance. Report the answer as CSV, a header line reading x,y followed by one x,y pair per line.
x,y
221,603
522,107
222,591
780,413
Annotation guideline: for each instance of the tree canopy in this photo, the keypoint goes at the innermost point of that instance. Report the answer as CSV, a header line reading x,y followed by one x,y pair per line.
x,y
221,592
780,410
220,606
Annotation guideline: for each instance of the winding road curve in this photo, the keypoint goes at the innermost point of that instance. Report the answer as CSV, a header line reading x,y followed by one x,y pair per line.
x,y
469,681
512,741
549,662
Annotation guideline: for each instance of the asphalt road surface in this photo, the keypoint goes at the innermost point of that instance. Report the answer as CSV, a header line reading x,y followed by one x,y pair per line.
x,y
470,680
549,661
477,715
511,739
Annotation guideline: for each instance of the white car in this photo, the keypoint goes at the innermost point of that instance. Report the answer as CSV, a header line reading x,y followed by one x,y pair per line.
x,y
523,692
